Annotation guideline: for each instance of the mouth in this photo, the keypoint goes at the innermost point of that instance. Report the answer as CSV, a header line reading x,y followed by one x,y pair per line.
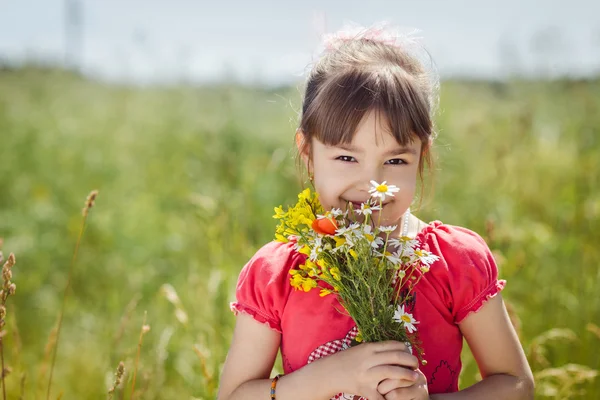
x,y
356,204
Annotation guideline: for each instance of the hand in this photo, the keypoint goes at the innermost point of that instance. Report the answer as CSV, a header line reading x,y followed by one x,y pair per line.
x,y
396,390
361,369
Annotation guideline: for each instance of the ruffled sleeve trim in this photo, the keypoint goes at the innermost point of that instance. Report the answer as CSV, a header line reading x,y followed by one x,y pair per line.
x,y
237,308
430,227
475,305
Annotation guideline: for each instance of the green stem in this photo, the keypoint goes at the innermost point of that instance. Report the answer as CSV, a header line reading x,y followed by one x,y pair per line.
x,y
64,302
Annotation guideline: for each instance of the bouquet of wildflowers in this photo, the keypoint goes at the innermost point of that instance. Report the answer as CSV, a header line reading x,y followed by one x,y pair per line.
x,y
372,274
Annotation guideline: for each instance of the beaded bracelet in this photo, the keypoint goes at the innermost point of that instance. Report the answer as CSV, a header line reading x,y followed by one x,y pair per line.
x,y
273,385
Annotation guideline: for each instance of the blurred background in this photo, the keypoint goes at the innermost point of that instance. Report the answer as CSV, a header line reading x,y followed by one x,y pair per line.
x,y
182,115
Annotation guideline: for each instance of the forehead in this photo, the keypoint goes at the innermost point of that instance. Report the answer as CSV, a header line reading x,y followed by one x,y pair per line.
x,y
374,131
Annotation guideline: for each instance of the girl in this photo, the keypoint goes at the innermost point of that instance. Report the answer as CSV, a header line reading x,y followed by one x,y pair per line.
x,y
368,115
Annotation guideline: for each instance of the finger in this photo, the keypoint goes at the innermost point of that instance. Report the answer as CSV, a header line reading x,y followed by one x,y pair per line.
x,y
409,392
382,372
399,358
388,345
388,385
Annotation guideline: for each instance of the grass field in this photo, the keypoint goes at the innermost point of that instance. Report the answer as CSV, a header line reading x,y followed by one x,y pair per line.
x,y
187,180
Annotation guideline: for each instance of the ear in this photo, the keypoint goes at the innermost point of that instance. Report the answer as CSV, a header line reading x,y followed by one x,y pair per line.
x,y
303,146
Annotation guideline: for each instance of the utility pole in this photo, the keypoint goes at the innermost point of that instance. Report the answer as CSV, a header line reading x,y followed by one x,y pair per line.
x,y
73,34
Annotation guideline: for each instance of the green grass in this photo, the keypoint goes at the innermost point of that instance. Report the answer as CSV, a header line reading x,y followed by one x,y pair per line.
x,y
187,180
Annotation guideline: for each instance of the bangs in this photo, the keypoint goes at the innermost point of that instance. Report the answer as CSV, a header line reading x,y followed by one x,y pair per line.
x,y
337,106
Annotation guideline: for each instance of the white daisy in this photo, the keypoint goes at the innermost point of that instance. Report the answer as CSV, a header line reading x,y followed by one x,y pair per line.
x,y
388,229
381,190
345,230
426,257
405,244
405,318
316,248
394,258
365,209
336,212
377,242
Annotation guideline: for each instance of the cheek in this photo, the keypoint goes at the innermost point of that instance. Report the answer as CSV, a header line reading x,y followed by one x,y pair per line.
x,y
406,179
328,190
407,182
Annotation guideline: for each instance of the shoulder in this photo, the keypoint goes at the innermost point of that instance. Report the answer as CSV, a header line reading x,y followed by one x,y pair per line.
x,y
263,285
466,269
451,241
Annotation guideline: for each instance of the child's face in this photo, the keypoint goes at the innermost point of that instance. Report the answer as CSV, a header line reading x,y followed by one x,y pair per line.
x,y
343,173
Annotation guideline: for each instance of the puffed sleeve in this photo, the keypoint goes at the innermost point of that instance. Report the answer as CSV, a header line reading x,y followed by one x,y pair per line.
x,y
469,269
263,284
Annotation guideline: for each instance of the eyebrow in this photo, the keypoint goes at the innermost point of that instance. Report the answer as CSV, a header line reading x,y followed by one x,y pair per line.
x,y
397,150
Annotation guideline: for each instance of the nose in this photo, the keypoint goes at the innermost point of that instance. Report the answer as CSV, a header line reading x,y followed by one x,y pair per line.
x,y
369,173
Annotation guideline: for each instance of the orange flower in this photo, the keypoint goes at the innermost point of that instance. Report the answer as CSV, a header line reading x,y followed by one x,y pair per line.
x,y
325,226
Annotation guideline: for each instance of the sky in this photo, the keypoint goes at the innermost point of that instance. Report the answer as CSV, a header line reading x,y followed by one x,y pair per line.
x,y
272,42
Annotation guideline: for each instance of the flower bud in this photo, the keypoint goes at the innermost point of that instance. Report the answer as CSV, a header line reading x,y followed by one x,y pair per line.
x,y
6,275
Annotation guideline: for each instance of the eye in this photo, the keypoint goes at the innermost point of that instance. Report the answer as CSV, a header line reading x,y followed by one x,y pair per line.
x,y
396,161
346,158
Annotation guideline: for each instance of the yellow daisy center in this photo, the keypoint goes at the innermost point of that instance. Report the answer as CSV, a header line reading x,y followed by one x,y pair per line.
x,y
405,318
382,188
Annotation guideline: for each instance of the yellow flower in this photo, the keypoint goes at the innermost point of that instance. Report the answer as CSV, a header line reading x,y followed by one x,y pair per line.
x,y
339,241
296,281
322,263
353,253
359,337
281,238
304,267
304,195
325,292
305,250
297,219
308,284
279,213
310,267
335,272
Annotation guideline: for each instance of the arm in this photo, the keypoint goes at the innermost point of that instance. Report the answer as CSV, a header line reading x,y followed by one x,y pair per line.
x,y
499,355
249,362
356,370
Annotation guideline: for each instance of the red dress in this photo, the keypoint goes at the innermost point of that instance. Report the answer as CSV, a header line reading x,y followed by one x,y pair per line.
x,y
459,283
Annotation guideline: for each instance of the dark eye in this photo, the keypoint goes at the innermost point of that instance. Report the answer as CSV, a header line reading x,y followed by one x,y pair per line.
x,y
396,161
345,158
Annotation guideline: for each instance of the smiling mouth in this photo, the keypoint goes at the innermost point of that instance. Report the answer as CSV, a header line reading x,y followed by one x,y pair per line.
x,y
356,204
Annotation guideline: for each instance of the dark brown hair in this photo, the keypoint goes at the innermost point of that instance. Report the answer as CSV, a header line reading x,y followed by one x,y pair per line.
x,y
363,75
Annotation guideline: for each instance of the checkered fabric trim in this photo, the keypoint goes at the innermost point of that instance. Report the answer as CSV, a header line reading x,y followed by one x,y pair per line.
x,y
331,348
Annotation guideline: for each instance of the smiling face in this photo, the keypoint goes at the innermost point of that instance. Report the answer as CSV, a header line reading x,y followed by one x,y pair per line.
x,y
342,173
